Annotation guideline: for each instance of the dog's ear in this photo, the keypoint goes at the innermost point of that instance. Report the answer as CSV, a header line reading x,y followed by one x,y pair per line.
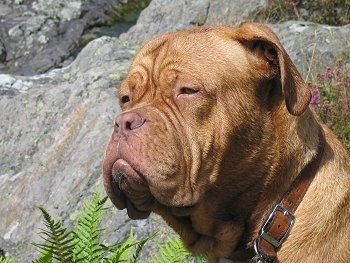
x,y
260,38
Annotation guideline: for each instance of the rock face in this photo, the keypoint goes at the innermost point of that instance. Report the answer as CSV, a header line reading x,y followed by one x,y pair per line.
x,y
166,15
54,127
311,46
41,34
53,132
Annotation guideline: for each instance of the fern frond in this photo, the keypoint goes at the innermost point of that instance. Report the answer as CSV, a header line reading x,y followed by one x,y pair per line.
x,y
174,251
82,245
9,260
59,241
45,257
127,251
139,246
87,233
119,254
126,248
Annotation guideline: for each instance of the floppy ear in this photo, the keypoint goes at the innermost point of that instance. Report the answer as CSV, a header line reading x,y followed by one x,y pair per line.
x,y
296,93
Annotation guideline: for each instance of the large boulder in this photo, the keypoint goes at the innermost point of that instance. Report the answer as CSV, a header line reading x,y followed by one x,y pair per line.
x,y
53,131
39,35
311,46
166,15
163,16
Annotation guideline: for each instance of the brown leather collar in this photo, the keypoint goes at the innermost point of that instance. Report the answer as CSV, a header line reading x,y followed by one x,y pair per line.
x,y
281,219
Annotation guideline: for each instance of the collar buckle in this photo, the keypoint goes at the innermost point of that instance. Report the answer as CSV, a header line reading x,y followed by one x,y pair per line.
x,y
278,216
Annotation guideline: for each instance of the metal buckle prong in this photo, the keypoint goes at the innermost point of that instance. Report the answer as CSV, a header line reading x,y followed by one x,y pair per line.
x,y
263,232
258,257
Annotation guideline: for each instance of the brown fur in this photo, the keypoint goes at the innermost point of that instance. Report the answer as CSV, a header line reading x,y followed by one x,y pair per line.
x,y
212,160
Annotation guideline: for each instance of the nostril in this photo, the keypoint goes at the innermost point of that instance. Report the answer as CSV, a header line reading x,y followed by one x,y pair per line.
x,y
116,125
135,123
128,125
128,121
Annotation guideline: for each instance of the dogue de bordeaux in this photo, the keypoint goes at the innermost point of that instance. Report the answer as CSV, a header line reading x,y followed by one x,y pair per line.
x,y
217,137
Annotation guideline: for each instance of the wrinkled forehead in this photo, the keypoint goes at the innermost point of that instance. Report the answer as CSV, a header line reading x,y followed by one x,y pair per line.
x,y
193,52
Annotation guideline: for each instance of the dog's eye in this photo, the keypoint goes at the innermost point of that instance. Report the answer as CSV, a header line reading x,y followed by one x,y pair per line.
x,y
187,90
125,99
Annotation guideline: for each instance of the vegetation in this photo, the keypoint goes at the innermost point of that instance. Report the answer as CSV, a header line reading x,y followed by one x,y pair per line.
x,y
173,251
331,89
3,260
82,244
130,11
331,100
330,12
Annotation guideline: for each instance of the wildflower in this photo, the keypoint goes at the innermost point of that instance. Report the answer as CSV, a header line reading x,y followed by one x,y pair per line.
x,y
331,100
315,98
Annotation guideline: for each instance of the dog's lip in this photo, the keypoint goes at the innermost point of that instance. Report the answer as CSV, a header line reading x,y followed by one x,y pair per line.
x,y
121,168
130,187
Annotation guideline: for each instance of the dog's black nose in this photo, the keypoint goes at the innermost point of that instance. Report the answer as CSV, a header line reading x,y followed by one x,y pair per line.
x,y
128,121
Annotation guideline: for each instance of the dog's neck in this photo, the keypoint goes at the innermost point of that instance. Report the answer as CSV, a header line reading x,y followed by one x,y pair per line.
x,y
295,147
242,207
277,184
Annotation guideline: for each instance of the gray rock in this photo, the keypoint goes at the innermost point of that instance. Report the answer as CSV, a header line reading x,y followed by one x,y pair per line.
x,y
42,34
311,46
4,10
167,15
53,133
52,141
13,85
6,81
3,52
234,12
64,11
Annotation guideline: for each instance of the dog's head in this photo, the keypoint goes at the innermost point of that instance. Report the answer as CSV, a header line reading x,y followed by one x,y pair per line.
x,y
197,106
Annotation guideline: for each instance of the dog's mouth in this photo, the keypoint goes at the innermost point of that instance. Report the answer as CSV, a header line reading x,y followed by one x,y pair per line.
x,y
129,189
128,179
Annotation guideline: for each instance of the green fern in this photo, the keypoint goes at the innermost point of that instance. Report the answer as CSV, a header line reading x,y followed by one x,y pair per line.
x,y
174,251
138,247
129,250
4,260
87,247
45,257
59,241
82,244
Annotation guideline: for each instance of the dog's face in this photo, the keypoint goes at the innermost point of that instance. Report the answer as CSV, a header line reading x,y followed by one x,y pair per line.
x,y
196,107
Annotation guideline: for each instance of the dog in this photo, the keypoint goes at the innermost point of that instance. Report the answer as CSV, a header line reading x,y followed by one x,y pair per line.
x,y
217,137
